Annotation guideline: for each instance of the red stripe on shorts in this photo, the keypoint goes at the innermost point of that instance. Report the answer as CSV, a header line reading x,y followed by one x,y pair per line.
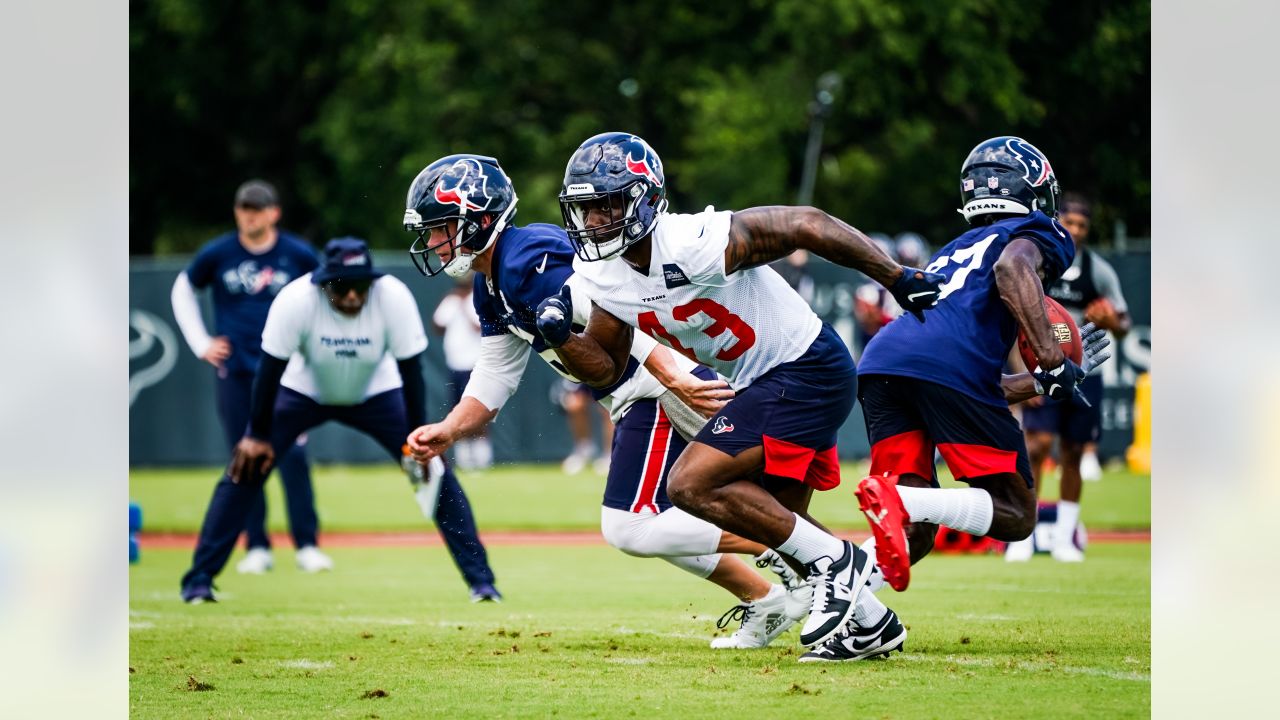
x,y
968,461
908,452
654,464
818,469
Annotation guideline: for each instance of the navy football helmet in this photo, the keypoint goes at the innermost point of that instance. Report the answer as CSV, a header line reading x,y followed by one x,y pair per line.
x,y
620,172
1006,176
470,189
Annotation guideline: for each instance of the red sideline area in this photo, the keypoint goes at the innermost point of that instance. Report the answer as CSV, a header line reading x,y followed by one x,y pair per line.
x,y
495,538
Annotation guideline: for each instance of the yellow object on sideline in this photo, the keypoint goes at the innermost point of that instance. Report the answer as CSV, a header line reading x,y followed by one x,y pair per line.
x,y
1139,453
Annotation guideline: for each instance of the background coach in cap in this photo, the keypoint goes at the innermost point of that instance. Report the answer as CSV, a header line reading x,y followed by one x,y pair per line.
x,y
342,344
246,269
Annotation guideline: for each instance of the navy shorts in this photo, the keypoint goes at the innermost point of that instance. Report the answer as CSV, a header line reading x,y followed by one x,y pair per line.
x,y
795,411
907,418
645,446
1075,423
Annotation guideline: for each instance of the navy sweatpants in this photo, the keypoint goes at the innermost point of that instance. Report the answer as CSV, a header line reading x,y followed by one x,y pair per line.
x,y
382,417
235,391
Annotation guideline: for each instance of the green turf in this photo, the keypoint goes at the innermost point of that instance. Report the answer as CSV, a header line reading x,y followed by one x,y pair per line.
x,y
377,497
587,632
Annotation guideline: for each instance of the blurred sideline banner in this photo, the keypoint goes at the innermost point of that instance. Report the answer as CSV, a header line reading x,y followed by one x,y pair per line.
x,y
173,419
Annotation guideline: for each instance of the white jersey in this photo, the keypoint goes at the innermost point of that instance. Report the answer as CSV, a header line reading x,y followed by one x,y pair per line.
x,y
503,358
336,359
457,315
741,325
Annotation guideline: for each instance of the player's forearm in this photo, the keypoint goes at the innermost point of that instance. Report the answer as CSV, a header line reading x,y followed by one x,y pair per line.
x,y
266,385
1018,387
1021,292
468,416
764,234
586,360
843,244
661,363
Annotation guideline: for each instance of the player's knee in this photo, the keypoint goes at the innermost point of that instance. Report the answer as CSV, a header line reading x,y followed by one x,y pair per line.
x,y
628,539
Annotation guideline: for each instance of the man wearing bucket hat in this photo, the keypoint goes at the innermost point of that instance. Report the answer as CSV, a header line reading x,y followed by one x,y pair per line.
x,y
345,344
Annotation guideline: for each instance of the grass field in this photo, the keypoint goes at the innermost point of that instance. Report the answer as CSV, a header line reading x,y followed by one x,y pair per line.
x,y
587,632
534,497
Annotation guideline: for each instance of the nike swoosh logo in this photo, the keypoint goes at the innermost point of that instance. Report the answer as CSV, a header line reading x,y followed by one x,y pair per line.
x,y
543,266
913,296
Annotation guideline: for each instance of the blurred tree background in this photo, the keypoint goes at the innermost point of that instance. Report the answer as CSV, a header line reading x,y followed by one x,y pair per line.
x,y
341,103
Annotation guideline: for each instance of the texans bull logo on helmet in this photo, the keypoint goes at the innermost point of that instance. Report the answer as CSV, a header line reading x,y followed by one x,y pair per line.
x,y
1035,165
464,185
641,167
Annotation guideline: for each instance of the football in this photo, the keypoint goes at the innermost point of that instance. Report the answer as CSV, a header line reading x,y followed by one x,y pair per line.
x,y
1064,331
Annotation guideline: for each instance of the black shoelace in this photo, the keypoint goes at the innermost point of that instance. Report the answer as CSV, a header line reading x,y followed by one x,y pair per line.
x,y
741,613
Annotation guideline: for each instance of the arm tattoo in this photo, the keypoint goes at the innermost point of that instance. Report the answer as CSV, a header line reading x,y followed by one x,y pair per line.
x,y
758,236
764,234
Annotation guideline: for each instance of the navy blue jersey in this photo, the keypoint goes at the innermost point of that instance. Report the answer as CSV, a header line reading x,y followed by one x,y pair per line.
x,y
964,340
244,284
530,264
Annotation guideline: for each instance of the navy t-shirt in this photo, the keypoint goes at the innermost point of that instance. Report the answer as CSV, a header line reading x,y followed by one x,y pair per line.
x,y
966,337
244,284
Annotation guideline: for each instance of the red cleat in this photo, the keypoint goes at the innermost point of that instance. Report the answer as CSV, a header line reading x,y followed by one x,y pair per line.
x,y
879,500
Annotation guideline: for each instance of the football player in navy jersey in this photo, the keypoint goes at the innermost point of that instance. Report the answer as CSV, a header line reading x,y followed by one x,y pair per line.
x,y
940,384
461,208
245,270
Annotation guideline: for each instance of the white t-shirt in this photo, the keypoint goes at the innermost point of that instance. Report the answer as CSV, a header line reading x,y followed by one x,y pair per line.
x,y
457,315
336,359
741,325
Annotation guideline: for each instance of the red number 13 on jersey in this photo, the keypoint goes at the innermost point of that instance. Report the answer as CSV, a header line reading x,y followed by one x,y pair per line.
x,y
724,321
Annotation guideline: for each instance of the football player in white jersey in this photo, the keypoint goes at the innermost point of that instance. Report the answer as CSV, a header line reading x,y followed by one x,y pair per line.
x,y
461,207
698,284
345,344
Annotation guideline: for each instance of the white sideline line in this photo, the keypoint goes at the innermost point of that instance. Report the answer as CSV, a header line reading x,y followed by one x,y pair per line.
x,y
1025,665
305,664
628,661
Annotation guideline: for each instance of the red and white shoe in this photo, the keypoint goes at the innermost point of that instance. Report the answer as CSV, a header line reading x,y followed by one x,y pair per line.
x,y
879,500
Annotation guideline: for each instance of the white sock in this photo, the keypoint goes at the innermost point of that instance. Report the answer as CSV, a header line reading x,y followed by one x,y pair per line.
x,y
964,509
869,610
1064,532
775,590
807,543
876,581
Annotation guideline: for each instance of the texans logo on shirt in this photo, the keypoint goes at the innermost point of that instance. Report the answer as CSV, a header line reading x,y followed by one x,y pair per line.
x,y
464,184
1035,167
250,279
722,426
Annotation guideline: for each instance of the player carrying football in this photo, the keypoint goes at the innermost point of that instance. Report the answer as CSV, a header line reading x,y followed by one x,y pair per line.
x,y
939,384
697,284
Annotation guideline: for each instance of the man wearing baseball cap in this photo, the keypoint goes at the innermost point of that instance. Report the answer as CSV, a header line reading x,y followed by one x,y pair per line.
x,y
345,344
244,271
